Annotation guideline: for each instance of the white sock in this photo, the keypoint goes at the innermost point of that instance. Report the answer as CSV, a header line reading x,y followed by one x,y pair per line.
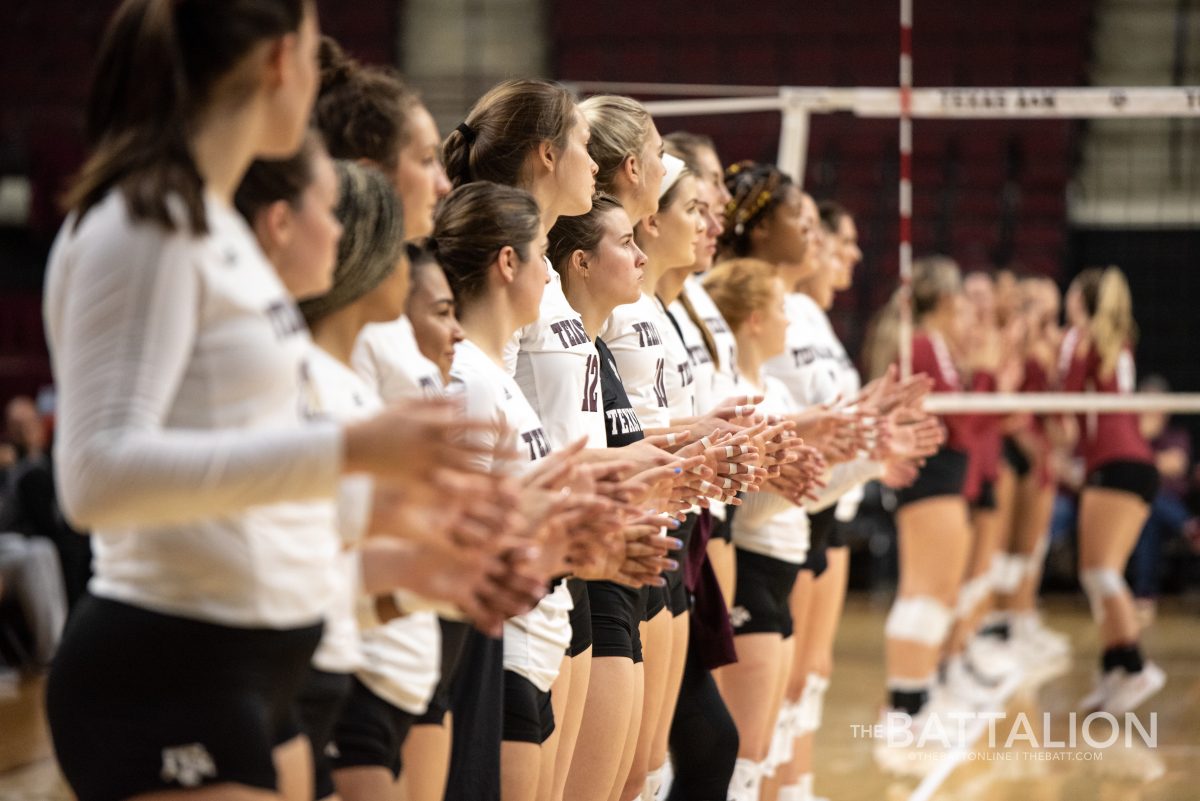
x,y
747,780
791,792
652,786
806,787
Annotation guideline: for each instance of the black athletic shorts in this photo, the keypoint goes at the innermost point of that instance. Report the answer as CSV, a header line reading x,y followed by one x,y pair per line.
x,y
141,702
677,591
839,534
820,530
1016,457
370,732
944,473
528,714
1140,478
454,636
616,611
581,617
760,602
986,499
654,600
321,701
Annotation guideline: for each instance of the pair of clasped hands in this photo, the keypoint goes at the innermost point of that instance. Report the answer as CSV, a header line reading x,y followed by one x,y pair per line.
x,y
489,543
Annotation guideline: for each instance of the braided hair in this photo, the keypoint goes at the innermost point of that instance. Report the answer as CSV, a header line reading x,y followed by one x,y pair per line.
x,y
756,190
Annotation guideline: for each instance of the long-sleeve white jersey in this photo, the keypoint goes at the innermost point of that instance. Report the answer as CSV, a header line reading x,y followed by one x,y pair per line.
x,y
178,360
387,357
558,370
534,643
768,523
816,368
401,658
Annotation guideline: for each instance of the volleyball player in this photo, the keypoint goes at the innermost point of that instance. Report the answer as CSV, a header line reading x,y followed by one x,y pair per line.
x,y
700,154
368,113
529,134
600,267
164,321
1097,356
932,521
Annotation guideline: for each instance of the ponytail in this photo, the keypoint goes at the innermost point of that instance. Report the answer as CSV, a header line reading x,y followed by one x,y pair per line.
x,y
159,61
710,344
1112,324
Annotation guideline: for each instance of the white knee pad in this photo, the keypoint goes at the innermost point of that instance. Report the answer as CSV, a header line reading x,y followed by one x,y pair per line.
x,y
1099,584
921,619
972,594
813,703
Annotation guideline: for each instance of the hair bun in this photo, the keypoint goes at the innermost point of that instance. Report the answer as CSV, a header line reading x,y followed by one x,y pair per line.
x,y
336,67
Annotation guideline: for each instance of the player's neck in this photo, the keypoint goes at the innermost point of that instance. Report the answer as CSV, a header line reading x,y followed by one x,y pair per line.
x,y
337,333
489,328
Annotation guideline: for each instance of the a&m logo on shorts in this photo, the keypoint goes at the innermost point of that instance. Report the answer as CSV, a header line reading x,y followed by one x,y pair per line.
x,y
187,764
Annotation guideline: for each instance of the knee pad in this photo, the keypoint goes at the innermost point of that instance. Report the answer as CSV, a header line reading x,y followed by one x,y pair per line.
x,y
972,594
654,783
1099,584
1008,571
746,781
921,619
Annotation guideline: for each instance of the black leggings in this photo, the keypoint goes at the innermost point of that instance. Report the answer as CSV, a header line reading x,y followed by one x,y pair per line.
x,y
704,739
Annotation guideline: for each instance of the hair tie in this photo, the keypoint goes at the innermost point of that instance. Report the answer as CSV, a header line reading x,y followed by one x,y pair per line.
x,y
467,131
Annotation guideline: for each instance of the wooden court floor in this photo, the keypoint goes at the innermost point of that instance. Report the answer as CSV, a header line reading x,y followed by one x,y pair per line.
x,y
846,771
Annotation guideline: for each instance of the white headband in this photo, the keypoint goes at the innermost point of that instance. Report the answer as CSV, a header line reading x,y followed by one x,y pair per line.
x,y
675,168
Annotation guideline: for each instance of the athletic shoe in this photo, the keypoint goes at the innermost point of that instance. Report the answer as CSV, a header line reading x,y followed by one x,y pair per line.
x,y
1128,691
1044,654
1105,684
914,745
961,683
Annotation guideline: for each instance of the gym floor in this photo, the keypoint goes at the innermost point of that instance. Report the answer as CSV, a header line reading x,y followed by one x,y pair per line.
x,y
846,770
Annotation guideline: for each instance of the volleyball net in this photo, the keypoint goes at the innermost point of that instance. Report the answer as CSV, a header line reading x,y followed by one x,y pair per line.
x,y
1111,177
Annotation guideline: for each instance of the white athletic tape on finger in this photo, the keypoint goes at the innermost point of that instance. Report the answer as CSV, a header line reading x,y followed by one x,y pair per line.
x,y
1100,584
742,410
670,439
920,619
706,442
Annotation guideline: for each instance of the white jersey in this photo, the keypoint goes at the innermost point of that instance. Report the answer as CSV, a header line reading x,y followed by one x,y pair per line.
x,y
337,393
680,380
703,370
816,368
178,362
402,657
387,357
558,370
768,523
534,643
633,335
725,371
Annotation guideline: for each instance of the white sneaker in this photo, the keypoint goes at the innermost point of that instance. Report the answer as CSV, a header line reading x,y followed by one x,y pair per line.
x,y
992,660
1130,690
961,683
914,745
1105,684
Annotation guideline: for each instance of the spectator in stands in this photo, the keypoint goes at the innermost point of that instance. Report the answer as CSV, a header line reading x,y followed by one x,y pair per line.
x,y
1168,514
33,604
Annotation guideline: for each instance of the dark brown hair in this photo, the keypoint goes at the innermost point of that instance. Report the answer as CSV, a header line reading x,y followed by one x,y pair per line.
x,y
583,232
832,213
687,146
362,111
272,180
503,128
159,61
473,224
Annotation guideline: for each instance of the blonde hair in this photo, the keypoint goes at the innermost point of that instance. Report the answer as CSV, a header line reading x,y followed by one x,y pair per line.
x,y
620,126
933,277
1109,304
740,287
881,346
